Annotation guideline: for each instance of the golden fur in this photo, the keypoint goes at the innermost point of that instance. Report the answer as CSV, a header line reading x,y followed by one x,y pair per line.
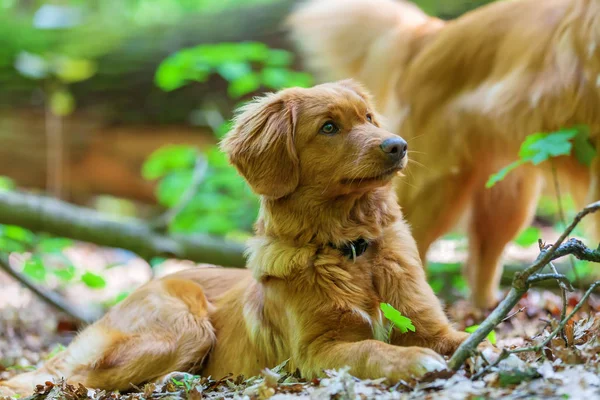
x,y
301,298
465,94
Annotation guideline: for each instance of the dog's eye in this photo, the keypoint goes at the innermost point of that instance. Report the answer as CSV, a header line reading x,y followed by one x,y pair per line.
x,y
329,128
370,118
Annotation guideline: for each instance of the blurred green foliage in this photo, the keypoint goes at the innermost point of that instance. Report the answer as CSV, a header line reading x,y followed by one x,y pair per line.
x,y
449,9
223,203
446,279
245,66
6,183
540,147
53,46
528,237
46,258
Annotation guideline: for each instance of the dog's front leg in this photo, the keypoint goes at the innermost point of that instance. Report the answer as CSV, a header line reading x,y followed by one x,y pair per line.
x,y
406,288
369,359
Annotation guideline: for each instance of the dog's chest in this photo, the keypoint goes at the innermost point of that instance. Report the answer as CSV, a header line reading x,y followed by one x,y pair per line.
x,y
377,322
365,303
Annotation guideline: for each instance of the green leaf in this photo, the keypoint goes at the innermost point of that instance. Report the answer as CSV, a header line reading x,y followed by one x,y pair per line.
x,y
6,183
231,71
179,69
117,299
168,159
528,237
244,85
500,175
156,261
65,274
437,285
582,147
280,78
173,186
18,234
93,280
35,269
54,245
437,268
120,297
62,103
218,159
541,146
404,324
279,58
223,129
252,51
71,70
9,245
460,284
491,336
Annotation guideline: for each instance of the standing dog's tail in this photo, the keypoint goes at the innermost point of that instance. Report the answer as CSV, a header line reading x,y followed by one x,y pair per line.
x,y
368,40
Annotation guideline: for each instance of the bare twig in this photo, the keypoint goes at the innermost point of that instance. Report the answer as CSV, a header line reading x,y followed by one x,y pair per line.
x,y
563,293
562,323
47,296
521,284
509,316
562,279
165,219
506,353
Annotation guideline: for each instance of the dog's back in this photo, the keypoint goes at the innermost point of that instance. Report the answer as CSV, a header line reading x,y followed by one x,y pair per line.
x,y
371,41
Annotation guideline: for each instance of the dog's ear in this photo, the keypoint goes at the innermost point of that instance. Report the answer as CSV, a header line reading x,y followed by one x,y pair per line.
x,y
261,146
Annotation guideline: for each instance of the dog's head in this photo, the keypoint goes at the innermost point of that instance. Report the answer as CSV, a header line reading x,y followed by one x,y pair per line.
x,y
327,138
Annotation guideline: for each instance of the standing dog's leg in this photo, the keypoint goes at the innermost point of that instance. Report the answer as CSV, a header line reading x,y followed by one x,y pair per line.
x,y
499,213
594,194
436,208
160,328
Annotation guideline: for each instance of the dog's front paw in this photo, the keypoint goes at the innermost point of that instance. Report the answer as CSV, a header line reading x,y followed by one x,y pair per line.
x,y
448,343
422,361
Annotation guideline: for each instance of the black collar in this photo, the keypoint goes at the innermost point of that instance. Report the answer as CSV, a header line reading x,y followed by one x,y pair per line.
x,y
352,250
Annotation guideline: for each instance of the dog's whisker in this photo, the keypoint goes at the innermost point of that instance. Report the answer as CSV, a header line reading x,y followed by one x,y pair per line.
x,y
418,163
414,137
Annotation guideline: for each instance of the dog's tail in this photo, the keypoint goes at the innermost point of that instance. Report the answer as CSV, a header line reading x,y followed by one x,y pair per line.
x,y
368,40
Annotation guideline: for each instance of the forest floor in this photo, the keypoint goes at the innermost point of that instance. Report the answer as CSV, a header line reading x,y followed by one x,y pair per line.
x,y
31,332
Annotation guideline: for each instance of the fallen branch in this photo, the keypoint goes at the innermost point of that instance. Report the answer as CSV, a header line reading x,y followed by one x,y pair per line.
x,y
508,274
506,353
522,282
43,214
47,296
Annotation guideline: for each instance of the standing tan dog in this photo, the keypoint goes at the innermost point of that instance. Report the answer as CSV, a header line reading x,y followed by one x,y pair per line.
x,y
465,94
330,246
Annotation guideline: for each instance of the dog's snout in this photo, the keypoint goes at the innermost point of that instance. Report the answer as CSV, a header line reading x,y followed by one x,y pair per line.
x,y
395,147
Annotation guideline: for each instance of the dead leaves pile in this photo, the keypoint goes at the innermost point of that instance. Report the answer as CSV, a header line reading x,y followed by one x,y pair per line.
x,y
564,369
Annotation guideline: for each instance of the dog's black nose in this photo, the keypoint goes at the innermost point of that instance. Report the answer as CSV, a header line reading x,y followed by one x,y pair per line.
x,y
395,147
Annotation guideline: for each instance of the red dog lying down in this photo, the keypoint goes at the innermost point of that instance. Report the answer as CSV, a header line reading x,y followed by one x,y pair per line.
x,y
323,167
